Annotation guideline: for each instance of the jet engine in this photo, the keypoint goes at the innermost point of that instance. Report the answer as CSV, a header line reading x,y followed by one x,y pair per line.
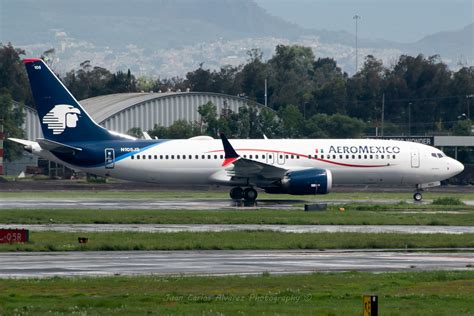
x,y
304,182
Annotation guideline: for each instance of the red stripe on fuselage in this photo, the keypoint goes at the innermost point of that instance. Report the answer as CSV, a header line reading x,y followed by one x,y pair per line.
x,y
306,156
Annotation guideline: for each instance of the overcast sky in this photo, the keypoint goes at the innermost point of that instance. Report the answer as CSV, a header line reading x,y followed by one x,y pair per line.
x,y
396,20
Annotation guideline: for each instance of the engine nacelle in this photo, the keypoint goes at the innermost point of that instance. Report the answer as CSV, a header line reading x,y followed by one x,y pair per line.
x,y
305,182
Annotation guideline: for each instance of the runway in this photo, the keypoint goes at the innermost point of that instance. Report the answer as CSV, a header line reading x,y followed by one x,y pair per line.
x,y
35,265
171,204
171,228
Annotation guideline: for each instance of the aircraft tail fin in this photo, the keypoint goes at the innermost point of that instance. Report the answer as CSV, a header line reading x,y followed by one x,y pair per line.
x,y
62,118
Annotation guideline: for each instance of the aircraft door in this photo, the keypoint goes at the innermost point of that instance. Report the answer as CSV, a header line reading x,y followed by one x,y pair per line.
x,y
415,158
270,158
281,158
109,158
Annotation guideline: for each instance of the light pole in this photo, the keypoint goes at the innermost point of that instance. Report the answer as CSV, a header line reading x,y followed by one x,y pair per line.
x,y
409,119
357,18
469,97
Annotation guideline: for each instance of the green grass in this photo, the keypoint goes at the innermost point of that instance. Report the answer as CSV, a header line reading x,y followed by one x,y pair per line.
x,y
354,214
447,201
95,194
59,241
413,293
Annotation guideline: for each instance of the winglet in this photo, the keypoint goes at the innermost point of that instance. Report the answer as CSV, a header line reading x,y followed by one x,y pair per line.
x,y
230,154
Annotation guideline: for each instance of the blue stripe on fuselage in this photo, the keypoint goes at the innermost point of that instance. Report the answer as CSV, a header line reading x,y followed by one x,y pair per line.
x,y
93,153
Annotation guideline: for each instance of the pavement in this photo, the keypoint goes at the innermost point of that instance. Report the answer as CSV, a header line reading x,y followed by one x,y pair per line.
x,y
181,204
228,262
171,228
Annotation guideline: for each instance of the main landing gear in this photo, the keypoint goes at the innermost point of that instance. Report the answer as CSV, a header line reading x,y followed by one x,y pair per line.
x,y
249,194
417,196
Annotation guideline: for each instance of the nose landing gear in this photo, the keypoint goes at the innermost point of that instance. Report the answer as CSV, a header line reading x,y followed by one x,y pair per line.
x,y
249,194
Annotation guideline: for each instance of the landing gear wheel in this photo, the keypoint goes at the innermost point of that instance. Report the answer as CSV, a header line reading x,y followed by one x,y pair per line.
x,y
236,193
417,197
250,194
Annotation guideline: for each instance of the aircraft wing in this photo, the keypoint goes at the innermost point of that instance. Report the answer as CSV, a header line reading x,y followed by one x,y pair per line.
x,y
247,168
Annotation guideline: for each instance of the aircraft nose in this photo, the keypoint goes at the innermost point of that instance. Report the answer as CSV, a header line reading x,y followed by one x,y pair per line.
x,y
456,166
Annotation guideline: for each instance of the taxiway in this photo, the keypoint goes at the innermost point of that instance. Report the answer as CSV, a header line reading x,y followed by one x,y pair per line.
x,y
28,265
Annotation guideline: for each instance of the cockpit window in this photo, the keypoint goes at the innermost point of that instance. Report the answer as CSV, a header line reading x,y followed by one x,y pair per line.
x,y
440,155
433,154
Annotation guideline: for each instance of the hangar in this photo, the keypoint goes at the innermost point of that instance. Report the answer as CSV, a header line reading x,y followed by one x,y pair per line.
x,y
120,112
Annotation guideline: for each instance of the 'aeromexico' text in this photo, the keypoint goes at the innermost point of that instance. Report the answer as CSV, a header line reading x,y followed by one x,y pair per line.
x,y
364,150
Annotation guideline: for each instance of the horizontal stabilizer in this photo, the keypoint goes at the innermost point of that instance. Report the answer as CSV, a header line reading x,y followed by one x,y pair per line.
x,y
57,147
23,142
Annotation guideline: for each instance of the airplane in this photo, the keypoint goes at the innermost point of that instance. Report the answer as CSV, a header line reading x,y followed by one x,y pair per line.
x,y
291,166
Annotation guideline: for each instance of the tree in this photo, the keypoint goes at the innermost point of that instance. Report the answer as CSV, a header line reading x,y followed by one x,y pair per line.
x,y
291,119
13,78
463,128
209,122
135,132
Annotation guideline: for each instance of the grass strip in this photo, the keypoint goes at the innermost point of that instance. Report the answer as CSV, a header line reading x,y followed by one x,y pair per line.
x,y
352,215
58,241
407,293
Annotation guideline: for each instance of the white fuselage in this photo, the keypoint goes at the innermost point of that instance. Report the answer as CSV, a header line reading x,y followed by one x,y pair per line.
x,y
351,161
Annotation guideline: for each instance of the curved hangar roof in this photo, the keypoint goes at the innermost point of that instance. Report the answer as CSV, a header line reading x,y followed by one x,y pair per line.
x,y
122,111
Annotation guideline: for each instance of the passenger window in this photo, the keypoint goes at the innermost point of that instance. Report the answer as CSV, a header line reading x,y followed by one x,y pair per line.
x,y
190,156
353,156
149,157
172,156
184,156
208,156
156,157
203,157
250,156
281,156
393,156
371,157
245,156
138,156
297,157
382,156
132,157
144,157
167,157
315,156
322,156
256,156
340,156
215,156
177,157
333,156
286,156
360,157
376,156
347,156
222,156
196,157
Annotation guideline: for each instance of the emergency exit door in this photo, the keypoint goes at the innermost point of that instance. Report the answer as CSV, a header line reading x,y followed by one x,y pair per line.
x,y
415,158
